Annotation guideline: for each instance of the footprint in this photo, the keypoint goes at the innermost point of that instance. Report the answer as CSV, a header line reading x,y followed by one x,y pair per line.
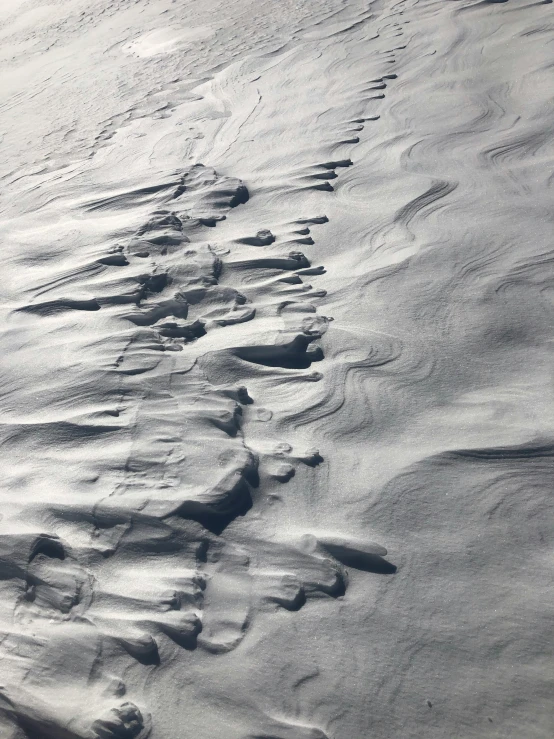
x,y
359,555
181,627
56,587
121,722
227,599
262,238
283,589
294,260
60,306
315,220
292,355
35,706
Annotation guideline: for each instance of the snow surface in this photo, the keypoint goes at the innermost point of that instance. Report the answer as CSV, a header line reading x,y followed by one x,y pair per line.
x,y
277,428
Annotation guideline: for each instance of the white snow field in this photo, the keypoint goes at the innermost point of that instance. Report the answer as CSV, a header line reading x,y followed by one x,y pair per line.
x,y
277,423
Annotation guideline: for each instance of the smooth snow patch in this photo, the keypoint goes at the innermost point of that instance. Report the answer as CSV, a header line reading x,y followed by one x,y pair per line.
x,y
30,18
166,40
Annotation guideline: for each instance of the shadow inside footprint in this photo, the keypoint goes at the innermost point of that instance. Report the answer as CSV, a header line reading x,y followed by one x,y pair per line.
x,y
289,356
365,561
213,520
